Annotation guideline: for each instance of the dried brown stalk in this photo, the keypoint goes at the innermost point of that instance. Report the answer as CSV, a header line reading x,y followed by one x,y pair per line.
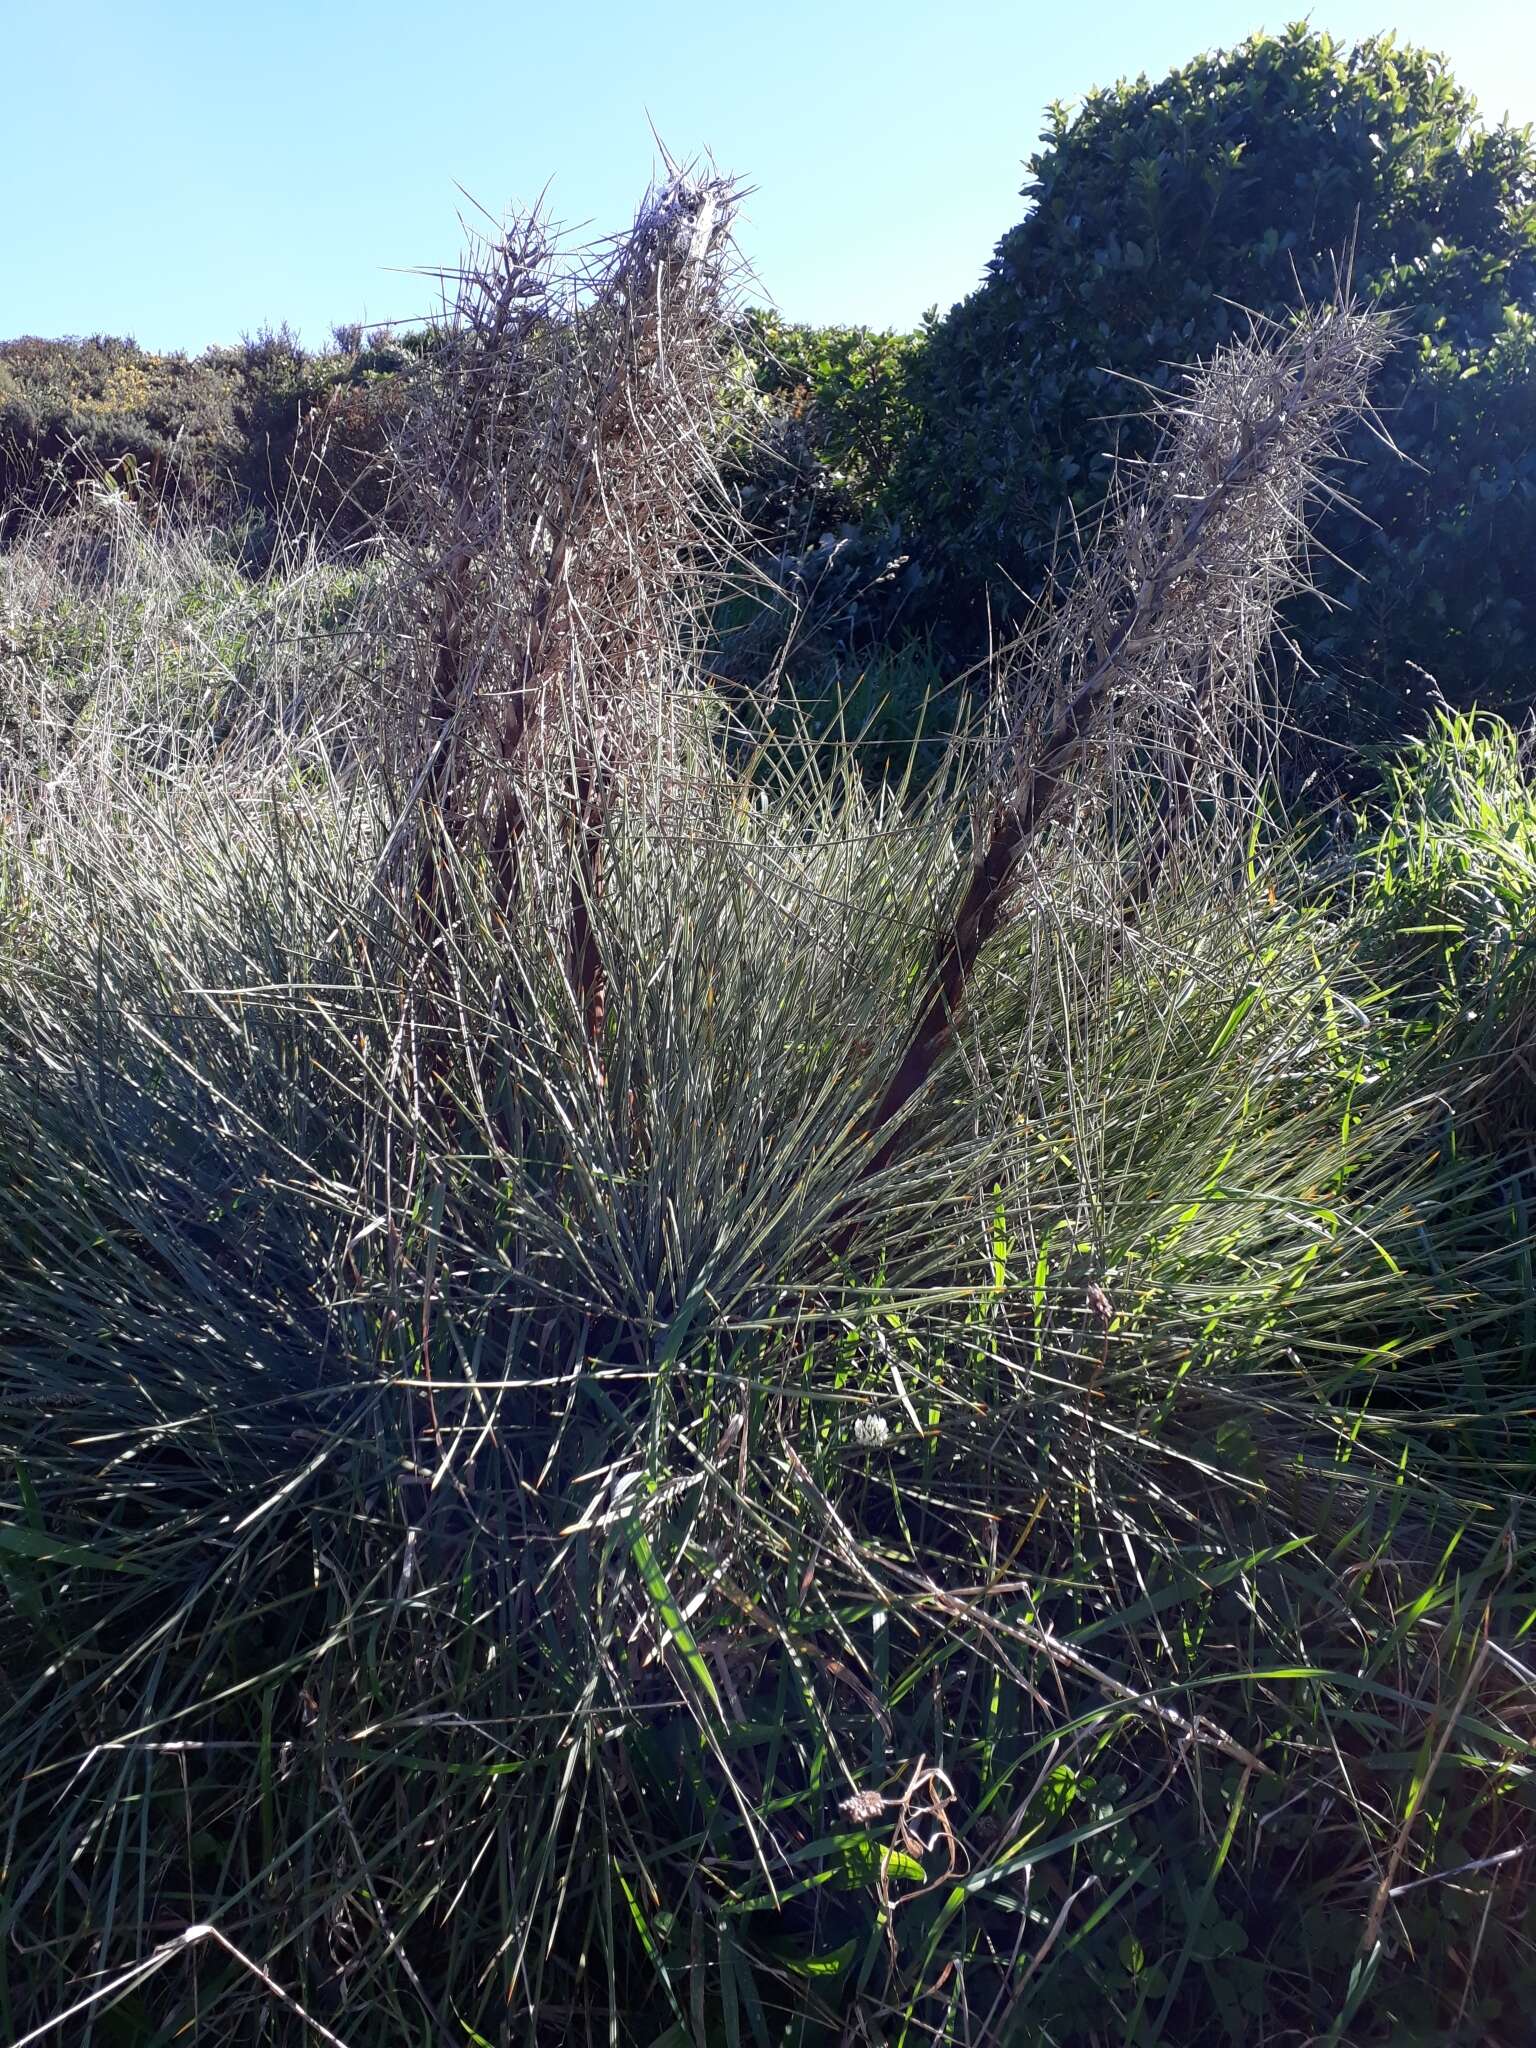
x,y
561,472
1151,665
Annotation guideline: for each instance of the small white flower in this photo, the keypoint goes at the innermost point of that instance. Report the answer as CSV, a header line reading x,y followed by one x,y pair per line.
x,y
871,1431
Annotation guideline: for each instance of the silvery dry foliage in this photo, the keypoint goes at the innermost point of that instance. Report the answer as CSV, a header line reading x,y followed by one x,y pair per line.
x,y
1146,680
1130,704
561,470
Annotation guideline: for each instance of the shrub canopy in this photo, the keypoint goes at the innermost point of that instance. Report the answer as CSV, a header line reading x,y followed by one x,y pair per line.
x,y
823,418
1158,213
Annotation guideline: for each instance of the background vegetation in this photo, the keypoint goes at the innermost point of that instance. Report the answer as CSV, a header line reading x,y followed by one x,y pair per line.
x,y
1158,213
929,486
244,438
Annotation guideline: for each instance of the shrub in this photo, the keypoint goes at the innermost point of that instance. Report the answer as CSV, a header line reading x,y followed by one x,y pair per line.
x,y
816,420
259,438
823,417
1157,212
72,410
896,713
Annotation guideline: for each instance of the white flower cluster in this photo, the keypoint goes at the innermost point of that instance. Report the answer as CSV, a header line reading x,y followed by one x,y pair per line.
x,y
871,1431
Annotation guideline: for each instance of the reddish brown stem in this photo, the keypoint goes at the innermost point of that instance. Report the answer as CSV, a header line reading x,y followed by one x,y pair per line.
x,y
1014,823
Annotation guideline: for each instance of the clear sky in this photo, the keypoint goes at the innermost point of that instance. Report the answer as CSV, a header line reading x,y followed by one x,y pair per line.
x,y
187,171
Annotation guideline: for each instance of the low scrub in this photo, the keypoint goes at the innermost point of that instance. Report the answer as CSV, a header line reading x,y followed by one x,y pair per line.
x,y
261,441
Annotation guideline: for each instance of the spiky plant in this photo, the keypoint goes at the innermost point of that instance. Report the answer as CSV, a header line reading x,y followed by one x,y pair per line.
x,y
489,1558
555,478
1133,691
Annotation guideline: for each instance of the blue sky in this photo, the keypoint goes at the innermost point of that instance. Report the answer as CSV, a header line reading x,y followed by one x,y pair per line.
x,y
190,172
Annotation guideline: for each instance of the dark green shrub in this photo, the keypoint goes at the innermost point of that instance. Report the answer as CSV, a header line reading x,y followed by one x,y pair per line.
x,y
1157,210
825,418
819,419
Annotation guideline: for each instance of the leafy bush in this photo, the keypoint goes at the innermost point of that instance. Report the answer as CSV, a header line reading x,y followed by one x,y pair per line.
x,y
70,410
1158,211
823,415
815,425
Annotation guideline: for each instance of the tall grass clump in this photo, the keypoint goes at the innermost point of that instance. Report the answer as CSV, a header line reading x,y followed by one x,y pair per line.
x,y
648,1395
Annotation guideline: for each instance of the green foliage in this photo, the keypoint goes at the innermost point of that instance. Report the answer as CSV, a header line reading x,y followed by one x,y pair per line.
x,y
1446,879
1158,211
258,438
825,415
75,409
817,419
472,1515
896,714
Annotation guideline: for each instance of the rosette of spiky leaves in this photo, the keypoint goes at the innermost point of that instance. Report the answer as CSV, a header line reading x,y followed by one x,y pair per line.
x,y
441,1552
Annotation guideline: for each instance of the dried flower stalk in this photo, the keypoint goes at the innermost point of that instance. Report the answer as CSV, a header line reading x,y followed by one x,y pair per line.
x,y
1150,667
561,471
